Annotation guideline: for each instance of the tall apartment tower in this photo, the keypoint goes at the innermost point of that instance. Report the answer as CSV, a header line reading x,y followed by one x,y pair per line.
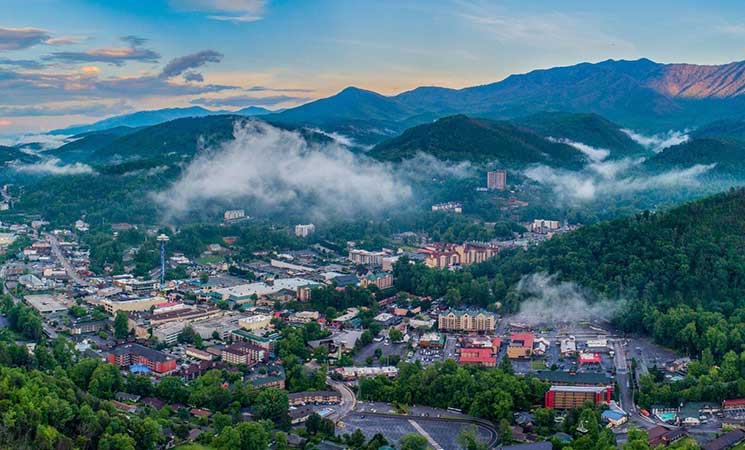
x,y
496,180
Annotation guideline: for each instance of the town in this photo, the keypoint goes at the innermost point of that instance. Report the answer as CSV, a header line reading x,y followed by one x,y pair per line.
x,y
216,318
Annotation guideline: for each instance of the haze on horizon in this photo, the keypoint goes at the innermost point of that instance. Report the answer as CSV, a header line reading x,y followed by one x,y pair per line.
x,y
78,61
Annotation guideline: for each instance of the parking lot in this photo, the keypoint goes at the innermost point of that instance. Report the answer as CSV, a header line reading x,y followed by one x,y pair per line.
x,y
387,349
432,420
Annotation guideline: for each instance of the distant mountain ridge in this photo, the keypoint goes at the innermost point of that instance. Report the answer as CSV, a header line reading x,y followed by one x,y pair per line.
x,y
154,117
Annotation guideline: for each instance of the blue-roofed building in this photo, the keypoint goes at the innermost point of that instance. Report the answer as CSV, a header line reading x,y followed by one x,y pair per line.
x,y
614,418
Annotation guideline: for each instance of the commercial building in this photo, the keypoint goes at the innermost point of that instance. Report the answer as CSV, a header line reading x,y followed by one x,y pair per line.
x,y
381,280
725,441
47,304
614,418
266,375
468,321
569,397
314,398
443,256
168,333
451,207
232,215
432,340
355,373
244,293
253,323
135,354
304,230
589,358
265,339
112,306
244,353
544,226
521,346
496,180
366,258
477,356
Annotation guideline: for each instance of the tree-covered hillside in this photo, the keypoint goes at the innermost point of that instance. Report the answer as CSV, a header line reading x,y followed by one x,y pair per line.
x,y
726,155
461,138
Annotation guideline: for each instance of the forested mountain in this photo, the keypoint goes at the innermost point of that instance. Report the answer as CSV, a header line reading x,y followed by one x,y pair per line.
x,y
734,129
462,138
727,156
638,94
587,128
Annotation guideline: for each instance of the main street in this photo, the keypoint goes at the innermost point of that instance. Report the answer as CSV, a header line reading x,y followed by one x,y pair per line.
x,y
69,269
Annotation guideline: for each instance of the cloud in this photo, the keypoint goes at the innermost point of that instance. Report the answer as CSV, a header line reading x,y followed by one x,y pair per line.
x,y
279,170
236,11
89,109
593,153
548,301
5,123
179,65
54,166
605,179
116,56
21,38
193,76
660,141
23,87
40,141
545,31
424,166
248,100
271,89
22,63
65,40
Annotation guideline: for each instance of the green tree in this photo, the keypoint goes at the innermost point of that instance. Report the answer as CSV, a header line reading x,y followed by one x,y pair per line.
x,y
414,442
272,404
121,325
105,381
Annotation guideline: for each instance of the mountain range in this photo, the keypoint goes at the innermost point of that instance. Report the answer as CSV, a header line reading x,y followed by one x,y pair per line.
x,y
640,94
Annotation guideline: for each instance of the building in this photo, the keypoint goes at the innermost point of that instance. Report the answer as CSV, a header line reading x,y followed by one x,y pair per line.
x,y
733,406
381,280
432,340
568,346
233,215
725,441
664,436
168,333
477,356
86,325
443,256
521,346
265,339
614,418
448,207
253,323
467,321
314,398
266,375
589,358
304,230
496,180
244,293
544,226
198,354
47,304
135,354
569,397
244,353
112,306
366,258
355,373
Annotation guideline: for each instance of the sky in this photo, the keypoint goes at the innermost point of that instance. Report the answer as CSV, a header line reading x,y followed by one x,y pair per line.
x,y
76,61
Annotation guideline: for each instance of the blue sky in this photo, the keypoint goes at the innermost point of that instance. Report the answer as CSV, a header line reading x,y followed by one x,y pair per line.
x,y
74,61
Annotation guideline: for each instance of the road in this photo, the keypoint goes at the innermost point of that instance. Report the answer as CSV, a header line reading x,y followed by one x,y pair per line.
x,y
348,399
625,395
62,259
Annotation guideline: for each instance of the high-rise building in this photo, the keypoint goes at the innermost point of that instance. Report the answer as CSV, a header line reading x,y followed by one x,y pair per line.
x,y
496,180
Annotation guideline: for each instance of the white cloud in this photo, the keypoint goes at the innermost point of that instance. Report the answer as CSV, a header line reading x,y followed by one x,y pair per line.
x,y
594,153
660,141
225,10
278,169
54,166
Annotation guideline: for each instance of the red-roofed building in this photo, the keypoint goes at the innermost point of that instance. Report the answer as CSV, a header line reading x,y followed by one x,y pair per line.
x,y
480,356
735,404
496,343
589,358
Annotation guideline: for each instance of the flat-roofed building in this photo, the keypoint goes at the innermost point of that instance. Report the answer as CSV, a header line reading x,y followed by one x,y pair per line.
x,y
314,398
47,304
130,354
243,353
570,397
521,345
257,322
112,306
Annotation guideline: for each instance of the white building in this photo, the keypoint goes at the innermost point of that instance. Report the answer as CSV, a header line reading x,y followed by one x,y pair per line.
x,y
234,214
304,230
366,258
